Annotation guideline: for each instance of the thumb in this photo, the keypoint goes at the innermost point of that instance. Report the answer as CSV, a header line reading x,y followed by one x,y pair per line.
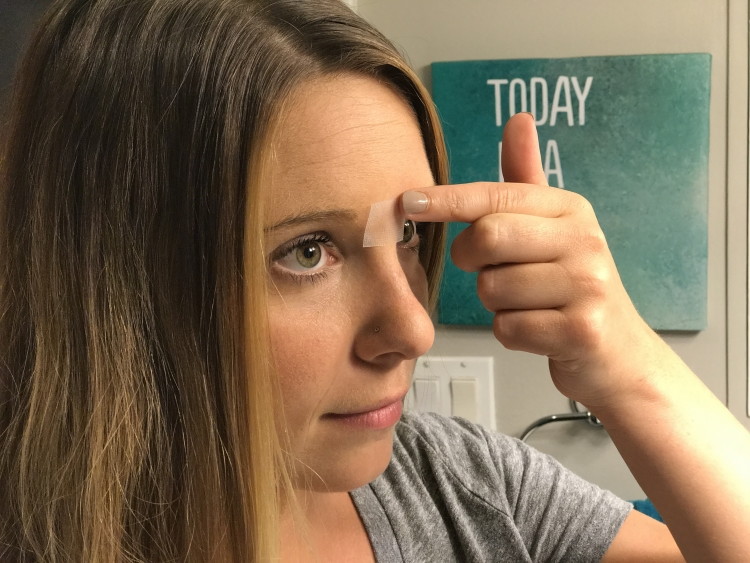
x,y
521,160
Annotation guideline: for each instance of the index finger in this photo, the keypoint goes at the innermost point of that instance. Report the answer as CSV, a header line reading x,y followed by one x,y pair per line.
x,y
468,202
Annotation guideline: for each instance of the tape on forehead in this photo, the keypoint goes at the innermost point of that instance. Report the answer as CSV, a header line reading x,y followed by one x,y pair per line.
x,y
385,224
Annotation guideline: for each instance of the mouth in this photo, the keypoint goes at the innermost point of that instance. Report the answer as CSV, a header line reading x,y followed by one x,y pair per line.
x,y
380,417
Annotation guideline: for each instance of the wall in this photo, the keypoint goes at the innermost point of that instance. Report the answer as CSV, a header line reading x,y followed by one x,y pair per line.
x,y
442,30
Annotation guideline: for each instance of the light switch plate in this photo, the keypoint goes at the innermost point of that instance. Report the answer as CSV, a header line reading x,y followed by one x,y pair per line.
x,y
432,389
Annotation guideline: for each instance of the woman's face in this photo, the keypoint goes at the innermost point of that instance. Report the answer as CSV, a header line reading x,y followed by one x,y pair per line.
x,y
347,322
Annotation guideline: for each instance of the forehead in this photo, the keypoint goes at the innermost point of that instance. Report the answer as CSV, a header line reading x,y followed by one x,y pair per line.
x,y
344,142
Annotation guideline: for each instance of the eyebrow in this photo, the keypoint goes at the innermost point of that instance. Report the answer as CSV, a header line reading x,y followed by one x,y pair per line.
x,y
313,216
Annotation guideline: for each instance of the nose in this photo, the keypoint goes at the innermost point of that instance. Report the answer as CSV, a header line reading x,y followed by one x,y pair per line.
x,y
395,324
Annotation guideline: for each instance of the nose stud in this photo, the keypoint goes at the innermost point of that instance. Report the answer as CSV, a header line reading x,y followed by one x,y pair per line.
x,y
377,329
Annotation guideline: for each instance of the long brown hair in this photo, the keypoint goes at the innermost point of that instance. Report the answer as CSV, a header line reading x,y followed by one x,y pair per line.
x,y
138,409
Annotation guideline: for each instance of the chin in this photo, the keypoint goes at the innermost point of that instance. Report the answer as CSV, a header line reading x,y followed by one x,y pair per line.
x,y
346,468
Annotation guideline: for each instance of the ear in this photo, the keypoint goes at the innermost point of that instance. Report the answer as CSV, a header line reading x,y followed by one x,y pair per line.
x,y
522,161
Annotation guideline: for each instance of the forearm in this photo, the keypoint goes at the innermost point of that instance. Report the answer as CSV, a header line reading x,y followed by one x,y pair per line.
x,y
690,455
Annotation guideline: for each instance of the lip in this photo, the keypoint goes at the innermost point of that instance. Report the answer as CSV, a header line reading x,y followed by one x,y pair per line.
x,y
378,418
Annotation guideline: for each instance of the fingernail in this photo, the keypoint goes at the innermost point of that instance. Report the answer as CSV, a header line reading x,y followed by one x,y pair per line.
x,y
414,202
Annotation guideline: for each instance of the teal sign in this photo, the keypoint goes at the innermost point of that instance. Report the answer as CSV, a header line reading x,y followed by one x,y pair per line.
x,y
629,133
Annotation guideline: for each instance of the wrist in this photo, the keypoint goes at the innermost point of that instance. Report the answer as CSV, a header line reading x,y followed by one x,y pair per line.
x,y
649,384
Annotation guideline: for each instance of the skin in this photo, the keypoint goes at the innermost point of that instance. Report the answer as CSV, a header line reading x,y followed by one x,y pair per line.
x,y
545,271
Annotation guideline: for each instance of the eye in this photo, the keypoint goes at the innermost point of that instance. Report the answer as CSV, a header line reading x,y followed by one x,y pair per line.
x,y
410,229
304,256
411,235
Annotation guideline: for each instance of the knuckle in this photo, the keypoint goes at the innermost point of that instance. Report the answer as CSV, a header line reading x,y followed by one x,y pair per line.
x,y
595,282
486,233
521,331
579,204
596,242
475,247
502,197
586,329
505,330
487,289
455,203
589,239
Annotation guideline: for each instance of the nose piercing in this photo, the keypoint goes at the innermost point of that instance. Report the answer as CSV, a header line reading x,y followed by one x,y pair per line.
x,y
377,329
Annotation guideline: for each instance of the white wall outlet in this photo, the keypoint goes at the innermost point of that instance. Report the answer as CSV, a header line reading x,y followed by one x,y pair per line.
x,y
455,386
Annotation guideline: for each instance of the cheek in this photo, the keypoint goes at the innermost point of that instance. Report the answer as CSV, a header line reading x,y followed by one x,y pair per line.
x,y
307,346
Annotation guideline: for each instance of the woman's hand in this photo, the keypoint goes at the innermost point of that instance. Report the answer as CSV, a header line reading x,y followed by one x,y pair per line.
x,y
545,271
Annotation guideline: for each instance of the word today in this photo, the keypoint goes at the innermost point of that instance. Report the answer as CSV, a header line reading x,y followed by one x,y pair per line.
x,y
517,95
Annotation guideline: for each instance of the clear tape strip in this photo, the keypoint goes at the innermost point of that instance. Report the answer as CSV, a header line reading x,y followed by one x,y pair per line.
x,y
385,224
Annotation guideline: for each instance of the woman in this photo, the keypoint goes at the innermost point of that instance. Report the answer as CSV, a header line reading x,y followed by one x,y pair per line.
x,y
201,361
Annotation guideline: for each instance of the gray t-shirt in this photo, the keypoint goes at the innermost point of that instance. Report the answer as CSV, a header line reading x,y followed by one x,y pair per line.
x,y
457,492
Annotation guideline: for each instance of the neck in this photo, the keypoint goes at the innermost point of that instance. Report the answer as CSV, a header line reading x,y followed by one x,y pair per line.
x,y
318,521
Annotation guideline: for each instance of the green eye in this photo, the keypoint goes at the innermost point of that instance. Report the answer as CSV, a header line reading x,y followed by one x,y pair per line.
x,y
309,255
410,231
